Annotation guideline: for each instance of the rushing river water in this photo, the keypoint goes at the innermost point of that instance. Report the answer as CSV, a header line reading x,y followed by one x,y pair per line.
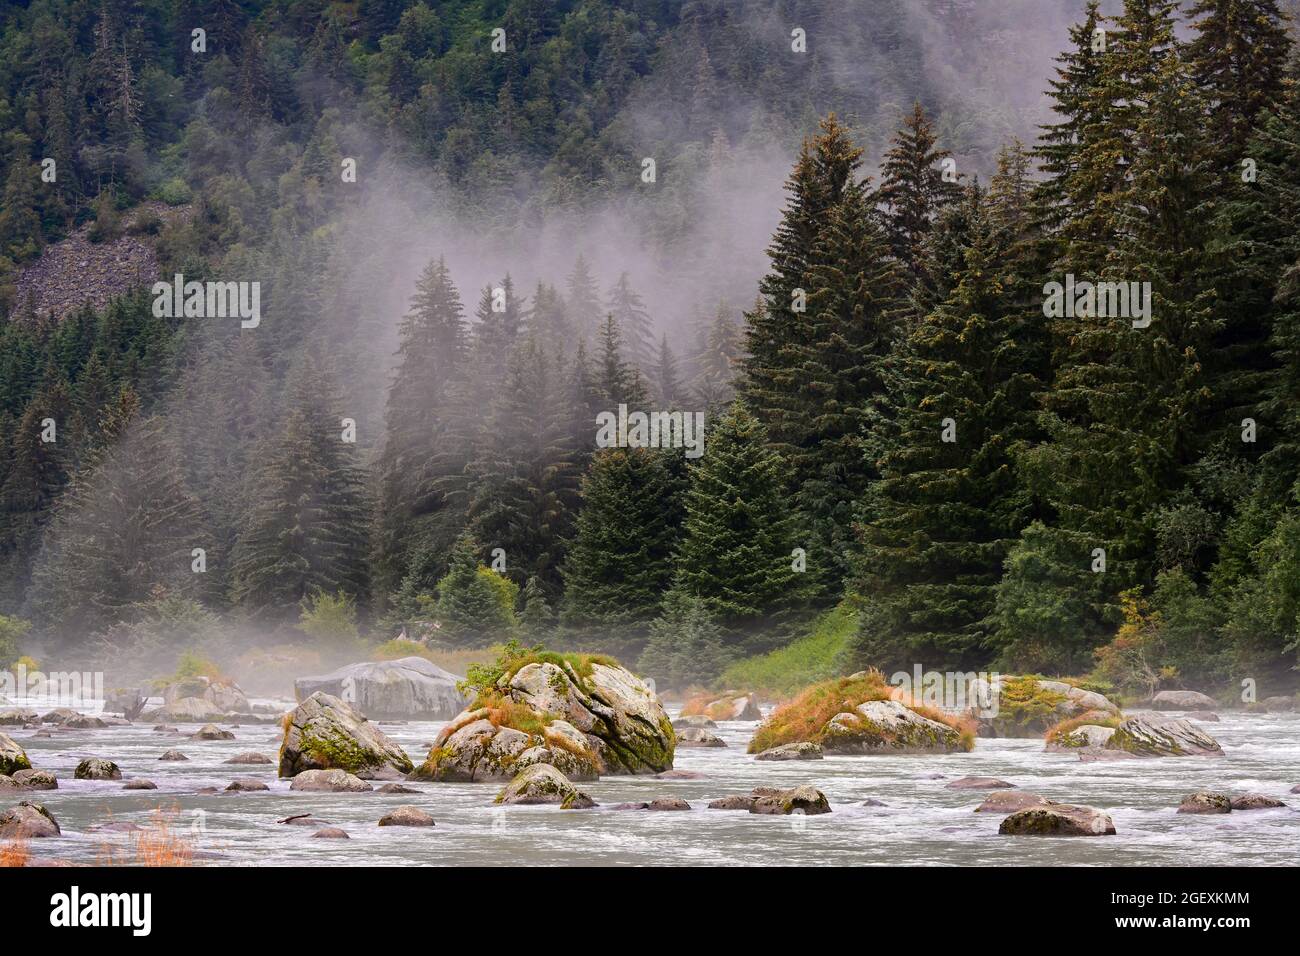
x,y
921,822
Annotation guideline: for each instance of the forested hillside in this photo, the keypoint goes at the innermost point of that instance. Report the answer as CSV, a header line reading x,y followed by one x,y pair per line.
x,y
842,255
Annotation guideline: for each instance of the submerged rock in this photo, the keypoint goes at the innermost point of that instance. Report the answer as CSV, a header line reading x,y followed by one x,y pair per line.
x,y
1009,801
406,817
800,750
1057,819
542,783
1150,735
329,781
978,783
325,733
28,820
699,737
407,688
97,768
396,788
1256,801
173,755
1205,801
804,799
330,833
140,785
887,726
246,785
12,757
1183,700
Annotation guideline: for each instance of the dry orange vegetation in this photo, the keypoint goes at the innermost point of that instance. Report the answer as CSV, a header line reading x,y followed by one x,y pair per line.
x,y
15,853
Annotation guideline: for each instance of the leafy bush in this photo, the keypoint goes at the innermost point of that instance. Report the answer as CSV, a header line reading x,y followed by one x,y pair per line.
x,y
12,630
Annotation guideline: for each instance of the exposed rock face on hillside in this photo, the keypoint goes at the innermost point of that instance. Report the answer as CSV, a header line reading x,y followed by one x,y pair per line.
x,y
75,271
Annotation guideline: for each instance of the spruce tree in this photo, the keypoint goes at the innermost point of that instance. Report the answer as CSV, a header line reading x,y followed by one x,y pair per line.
x,y
666,381
628,312
414,509
582,295
470,609
620,561
686,647
914,188
739,535
948,504
307,523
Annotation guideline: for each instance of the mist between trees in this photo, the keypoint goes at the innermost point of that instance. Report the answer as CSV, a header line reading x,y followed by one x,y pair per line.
x,y
843,261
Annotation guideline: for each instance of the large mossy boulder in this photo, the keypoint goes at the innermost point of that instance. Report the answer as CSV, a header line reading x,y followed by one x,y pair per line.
x,y
409,688
855,715
583,715
325,733
12,757
1151,735
542,783
1030,706
1058,819
888,726
482,744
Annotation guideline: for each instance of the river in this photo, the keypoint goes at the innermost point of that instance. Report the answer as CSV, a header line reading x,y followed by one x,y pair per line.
x,y
921,822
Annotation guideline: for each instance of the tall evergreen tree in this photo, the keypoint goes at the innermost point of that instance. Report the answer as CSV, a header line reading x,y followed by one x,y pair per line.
x,y
306,527
414,510
739,536
620,562
948,504
633,322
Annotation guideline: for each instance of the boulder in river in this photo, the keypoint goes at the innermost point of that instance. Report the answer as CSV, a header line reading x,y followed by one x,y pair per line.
x,y
1183,700
97,768
1152,735
735,802
1009,801
1205,801
249,757
329,781
1278,705
695,720
330,833
801,750
324,733
888,726
36,779
1256,801
12,757
584,715
542,783
406,817
140,784
9,785
978,783
1030,706
1072,737
668,803
246,785
173,756
211,732
699,737
28,820
409,688
1057,819
222,695
804,799
18,717
729,706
